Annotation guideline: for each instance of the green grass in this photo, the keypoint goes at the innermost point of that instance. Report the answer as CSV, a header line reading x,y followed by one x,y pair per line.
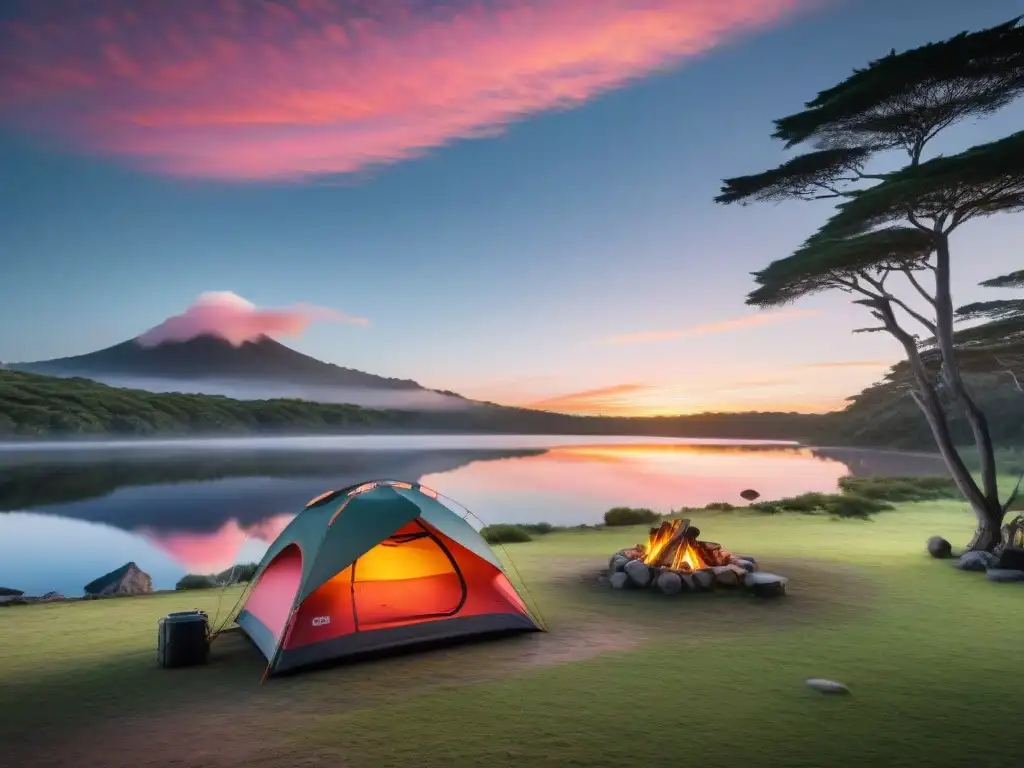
x,y
925,649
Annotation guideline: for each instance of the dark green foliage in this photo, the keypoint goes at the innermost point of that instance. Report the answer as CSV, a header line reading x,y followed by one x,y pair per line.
x,y
40,406
900,489
504,533
851,505
195,581
240,573
541,528
720,506
630,516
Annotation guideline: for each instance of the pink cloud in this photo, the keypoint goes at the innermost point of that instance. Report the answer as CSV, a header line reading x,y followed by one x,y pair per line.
x,y
231,317
287,89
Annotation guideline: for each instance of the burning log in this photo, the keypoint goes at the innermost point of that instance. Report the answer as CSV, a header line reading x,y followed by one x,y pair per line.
x,y
675,560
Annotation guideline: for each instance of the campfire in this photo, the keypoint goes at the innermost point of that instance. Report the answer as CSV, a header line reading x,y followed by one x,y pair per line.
x,y
675,560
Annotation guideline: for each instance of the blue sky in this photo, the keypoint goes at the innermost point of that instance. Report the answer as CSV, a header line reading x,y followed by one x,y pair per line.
x,y
493,266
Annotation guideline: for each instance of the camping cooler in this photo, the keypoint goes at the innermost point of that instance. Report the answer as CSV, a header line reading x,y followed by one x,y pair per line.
x,y
183,639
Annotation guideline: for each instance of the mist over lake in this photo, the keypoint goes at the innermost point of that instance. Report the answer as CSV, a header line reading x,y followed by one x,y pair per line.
x,y
70,512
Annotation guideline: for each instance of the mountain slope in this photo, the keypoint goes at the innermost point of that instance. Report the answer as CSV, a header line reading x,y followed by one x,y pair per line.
x,y
209,357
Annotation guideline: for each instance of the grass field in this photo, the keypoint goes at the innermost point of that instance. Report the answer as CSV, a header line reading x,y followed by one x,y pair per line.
x,y
930,654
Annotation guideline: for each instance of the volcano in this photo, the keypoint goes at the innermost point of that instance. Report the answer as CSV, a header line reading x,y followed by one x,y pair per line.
x,y
253,370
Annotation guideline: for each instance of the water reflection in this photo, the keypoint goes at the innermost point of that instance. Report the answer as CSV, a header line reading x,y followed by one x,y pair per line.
x,y
72,517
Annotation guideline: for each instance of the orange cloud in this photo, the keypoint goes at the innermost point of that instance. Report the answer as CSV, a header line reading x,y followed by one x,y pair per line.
x,y
228,315
600,400
725,326
852,364
287,89
644,400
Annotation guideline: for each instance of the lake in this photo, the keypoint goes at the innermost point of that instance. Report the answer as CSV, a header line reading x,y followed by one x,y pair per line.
x,y
72,512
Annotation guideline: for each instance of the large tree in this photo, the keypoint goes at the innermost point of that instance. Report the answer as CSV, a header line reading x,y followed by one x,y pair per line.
x,y
887,243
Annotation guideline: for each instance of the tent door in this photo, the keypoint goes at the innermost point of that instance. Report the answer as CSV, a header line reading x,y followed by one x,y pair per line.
x,y
410,577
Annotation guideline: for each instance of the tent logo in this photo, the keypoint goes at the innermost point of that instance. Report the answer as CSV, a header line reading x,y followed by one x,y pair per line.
x,y
319,621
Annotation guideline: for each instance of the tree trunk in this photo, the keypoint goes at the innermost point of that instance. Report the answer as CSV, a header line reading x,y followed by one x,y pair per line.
x,y
950,372
989,514
989,531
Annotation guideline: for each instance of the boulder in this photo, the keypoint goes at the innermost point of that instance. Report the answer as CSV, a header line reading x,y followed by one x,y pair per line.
x,y
687,582
746,564
765,584
8,592
703,579
726,575
748,559
1004,574
670,583
975,561
129,579
617,563
638,572
1010,558
618,580
939,547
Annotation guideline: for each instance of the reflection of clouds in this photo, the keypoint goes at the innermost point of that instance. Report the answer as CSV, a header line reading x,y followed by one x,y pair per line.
x,y
293,88
213,552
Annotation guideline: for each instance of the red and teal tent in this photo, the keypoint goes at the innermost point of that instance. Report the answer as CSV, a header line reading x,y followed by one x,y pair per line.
x,y
372,567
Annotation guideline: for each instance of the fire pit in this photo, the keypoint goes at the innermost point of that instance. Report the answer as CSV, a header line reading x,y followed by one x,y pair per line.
x,y
676,561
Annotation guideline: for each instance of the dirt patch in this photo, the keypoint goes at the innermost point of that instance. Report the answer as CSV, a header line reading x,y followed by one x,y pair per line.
x,y
219,731
220,716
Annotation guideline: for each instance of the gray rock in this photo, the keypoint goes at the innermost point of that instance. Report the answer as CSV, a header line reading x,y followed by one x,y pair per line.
x,y
765,584
703,579
670,583
129,579
618,580
638,572
1004,574
725,576
617,563
8,592
50,597
687,582
746,564
939,547
826,686
1010,558
747,558
975,561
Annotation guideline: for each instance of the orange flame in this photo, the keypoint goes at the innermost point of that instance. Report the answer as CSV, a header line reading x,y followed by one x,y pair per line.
x,y
684,557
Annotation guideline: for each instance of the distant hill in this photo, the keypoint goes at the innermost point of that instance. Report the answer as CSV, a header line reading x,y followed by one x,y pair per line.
x,y
211,357
254,370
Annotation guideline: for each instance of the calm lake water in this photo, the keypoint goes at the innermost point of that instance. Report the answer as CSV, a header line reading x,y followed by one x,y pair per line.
x,y
73,512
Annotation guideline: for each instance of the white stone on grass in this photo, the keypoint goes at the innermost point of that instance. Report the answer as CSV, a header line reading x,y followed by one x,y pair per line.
x,y
826,686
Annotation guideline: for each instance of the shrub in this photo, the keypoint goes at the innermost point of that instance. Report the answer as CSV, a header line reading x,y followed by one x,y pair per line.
x,y
767,507
503,533
898,489
538,528
195,581
805,502
720,506
237,574
852,505
630,516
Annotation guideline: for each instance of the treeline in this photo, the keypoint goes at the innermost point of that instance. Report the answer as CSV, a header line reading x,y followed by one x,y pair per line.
x,y
45,406
885,414
34,406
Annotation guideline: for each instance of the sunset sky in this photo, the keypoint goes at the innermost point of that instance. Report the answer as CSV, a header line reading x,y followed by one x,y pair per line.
x,y
507,198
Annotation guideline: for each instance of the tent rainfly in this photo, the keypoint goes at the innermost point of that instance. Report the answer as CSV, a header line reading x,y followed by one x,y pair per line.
x,y
373,567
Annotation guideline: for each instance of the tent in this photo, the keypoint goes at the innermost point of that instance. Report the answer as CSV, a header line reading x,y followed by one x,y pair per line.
x,y
372,567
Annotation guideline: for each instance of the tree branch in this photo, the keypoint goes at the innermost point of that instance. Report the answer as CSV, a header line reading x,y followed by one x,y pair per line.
x,y
920,289
886,296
